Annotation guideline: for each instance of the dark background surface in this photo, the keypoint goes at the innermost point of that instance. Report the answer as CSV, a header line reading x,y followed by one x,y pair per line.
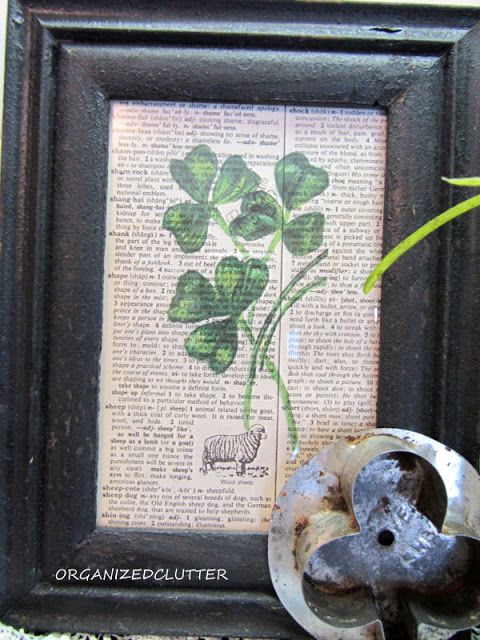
x,y
66,60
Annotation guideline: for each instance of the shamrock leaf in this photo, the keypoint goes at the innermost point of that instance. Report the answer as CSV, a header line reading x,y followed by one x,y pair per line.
x,y
195,174
298,181
234,181
304,234
189,224
238,284
215,342
260,215
194,299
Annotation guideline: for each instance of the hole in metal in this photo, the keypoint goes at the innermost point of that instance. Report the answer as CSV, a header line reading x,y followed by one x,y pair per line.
x,y
386,538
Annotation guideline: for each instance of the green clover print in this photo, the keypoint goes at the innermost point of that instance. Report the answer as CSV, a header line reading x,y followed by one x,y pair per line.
x,y
227,306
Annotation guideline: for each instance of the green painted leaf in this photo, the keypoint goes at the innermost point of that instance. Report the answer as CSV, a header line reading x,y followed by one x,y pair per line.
x,y
189,224
229,276
196,173
298,181
238,284
194,299
234,181
215,342
254,284
463,182
260,216
304,234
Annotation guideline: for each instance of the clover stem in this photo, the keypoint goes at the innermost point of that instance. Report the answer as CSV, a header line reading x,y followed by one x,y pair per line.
x,y
282,388
318,282
252,373
293,282
286,404
276,237
251,312
245,326
223,224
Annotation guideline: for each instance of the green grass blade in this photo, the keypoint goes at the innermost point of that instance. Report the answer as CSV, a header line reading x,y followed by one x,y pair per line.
x,y
463,182
418,235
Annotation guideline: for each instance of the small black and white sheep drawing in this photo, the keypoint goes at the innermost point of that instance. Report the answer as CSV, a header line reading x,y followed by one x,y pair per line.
x,y
241,449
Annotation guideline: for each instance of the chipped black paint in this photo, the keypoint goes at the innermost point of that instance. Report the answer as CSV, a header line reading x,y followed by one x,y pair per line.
x,y
66,59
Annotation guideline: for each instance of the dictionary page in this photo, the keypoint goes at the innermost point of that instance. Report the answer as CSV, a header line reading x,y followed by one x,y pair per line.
x,y
236,338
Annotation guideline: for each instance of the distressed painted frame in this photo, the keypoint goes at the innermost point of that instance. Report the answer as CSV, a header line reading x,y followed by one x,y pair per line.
x,y
65,61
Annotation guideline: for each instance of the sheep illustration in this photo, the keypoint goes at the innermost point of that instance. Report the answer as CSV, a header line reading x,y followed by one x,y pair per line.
x,y
241,449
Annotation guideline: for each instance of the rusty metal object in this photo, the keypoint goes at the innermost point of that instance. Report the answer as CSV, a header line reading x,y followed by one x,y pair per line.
x,y
378,536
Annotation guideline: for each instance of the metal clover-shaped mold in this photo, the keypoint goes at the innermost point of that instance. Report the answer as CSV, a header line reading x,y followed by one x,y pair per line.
x,y
378,536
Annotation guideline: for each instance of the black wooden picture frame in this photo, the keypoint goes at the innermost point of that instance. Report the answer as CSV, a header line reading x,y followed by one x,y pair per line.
x,y
66,60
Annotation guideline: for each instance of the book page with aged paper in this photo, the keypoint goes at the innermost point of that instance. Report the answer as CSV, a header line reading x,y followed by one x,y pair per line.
x,y
236,337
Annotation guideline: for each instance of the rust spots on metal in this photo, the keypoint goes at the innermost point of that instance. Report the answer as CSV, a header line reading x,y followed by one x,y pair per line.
x,y
385,504
300,525
355,439
331,585
334,501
